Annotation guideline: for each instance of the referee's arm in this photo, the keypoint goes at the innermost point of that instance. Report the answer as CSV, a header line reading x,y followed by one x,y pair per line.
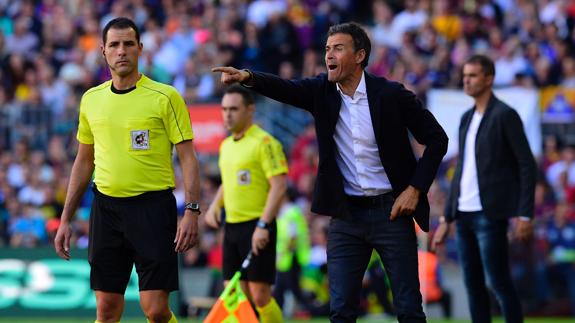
x,y
278,188
213,214
80,177
187,234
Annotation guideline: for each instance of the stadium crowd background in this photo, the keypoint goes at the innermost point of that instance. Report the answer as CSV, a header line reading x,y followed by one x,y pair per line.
x,y
50,55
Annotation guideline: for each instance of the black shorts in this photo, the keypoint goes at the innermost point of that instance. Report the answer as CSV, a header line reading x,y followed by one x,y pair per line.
x,y
136,230
237,245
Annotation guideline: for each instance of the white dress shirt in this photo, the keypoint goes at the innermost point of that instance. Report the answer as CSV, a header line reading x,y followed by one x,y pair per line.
x,y
357,154
469,200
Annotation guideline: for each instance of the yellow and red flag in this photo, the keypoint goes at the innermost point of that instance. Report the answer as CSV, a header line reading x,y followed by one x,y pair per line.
x,y
232,306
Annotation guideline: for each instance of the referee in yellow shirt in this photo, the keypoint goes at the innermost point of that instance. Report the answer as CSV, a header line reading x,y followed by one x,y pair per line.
x,y
253,168
127,130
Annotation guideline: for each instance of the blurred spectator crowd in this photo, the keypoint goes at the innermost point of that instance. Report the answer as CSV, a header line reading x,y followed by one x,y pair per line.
x,y
50,54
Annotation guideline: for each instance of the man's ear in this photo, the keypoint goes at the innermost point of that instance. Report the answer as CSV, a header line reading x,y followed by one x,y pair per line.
x,y
491,79
359,56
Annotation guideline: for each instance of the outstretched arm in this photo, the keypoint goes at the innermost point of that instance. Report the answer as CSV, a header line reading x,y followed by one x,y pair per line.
x,y
231,75
298,93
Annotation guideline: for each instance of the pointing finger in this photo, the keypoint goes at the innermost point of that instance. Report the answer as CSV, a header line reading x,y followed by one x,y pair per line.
x,y
223,69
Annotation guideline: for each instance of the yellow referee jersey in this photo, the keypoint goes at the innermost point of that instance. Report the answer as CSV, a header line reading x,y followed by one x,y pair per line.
x,y
133,136
245,165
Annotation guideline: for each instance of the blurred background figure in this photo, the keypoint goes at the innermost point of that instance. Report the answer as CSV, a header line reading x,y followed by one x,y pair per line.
x,y
293,252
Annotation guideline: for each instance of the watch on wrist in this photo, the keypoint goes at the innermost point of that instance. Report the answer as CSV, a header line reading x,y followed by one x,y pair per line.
x,y
194,207
262,224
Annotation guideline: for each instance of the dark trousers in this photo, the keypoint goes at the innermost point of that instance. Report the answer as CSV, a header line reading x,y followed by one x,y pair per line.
x,y
349,247
483,252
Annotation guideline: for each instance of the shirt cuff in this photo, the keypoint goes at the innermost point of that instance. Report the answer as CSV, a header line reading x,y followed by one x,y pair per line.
x,y
249,83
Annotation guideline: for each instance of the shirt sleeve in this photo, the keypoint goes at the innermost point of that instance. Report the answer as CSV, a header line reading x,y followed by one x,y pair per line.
x,y
272,157
178,123
84,134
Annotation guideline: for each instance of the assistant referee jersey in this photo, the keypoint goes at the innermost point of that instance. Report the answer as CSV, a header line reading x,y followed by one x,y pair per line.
x,y
245,165
133,135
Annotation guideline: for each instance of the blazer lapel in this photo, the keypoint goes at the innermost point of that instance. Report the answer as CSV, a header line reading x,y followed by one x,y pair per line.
x,y
375,109
484,120
333,102
490,105
463,132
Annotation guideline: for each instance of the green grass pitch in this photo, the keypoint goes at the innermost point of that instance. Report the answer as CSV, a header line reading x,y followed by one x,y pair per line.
x,y
135,320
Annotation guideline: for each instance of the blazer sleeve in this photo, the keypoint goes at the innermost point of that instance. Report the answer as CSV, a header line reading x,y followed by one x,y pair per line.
x,y
427,131
515,136
451,201
298,93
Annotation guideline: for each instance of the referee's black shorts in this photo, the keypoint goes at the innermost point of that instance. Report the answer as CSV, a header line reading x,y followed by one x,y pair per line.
x,y
136,230
237,245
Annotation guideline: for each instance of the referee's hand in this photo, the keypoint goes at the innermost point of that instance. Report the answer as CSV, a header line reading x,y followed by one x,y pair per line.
x,y
260,239
62,240
187,234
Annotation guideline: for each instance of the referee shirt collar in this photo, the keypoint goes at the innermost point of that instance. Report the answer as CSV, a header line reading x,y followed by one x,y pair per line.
x,y
246,133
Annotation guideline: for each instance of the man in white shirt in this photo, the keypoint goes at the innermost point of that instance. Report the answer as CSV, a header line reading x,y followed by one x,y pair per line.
x,y
494,180
368,180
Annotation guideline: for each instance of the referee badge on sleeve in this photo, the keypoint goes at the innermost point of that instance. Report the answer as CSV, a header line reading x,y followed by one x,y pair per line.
x,y
244,177
140,139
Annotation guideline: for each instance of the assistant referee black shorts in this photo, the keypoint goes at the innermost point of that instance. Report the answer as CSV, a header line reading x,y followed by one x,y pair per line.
x,y
237,245
136,230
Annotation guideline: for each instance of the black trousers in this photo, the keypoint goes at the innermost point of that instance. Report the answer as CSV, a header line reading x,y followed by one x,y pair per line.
x,y
349,248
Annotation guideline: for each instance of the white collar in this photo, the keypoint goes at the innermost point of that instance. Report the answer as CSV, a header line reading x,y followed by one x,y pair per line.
x,y
360,87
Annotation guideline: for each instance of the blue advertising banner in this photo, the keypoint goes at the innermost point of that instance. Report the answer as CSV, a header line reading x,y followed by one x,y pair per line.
x,y
35,282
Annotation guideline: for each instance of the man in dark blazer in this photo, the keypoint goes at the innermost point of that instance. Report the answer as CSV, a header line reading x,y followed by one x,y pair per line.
x,y
368,178
494,180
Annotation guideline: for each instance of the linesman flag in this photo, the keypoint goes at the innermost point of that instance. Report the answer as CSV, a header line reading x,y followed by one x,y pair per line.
x,y
233,305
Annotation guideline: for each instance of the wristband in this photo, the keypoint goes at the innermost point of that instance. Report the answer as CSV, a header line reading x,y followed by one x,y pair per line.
x,y
263,225
247,82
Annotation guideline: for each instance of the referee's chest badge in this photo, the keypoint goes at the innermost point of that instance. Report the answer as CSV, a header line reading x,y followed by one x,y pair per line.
x,y
140,139
244,177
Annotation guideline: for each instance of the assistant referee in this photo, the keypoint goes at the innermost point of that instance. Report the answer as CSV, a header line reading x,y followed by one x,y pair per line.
x,y
253,168
127,130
